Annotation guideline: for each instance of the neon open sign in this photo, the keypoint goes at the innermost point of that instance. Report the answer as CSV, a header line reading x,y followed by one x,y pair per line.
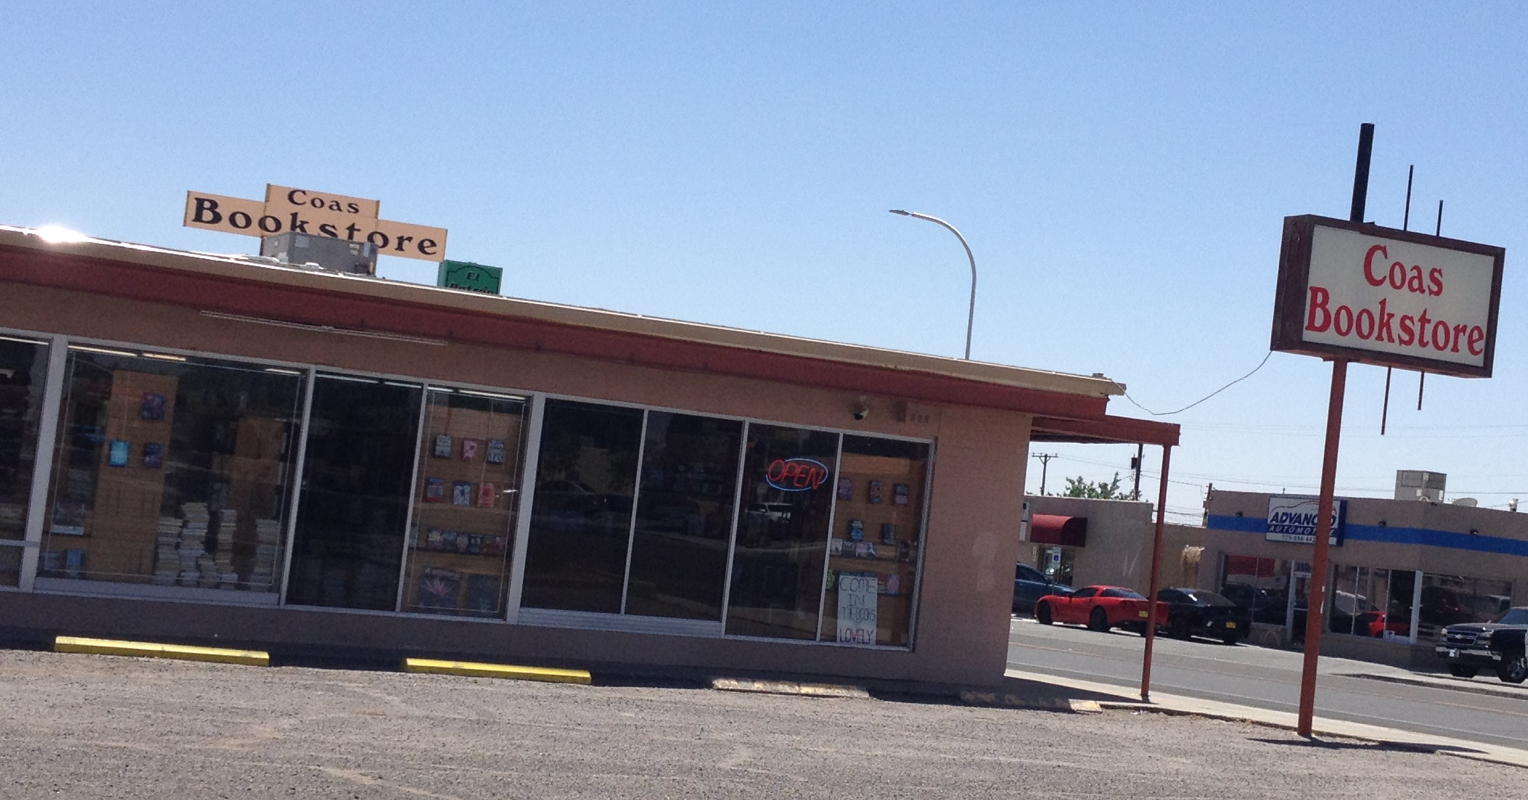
x,y
796,474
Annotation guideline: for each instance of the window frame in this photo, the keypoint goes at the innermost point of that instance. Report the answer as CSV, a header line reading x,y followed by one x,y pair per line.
x,y
59,345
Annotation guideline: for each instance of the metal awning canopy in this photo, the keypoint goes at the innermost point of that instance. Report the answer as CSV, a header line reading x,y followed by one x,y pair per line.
x,y
1105,429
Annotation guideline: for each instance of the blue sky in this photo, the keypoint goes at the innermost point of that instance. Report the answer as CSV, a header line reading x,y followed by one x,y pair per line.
x,y
1121,172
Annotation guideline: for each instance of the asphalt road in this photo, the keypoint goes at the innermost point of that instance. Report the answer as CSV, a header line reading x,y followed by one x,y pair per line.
x,y
1481,709
111,727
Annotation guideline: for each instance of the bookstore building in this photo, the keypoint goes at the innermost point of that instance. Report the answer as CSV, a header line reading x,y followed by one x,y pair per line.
x,y
225,450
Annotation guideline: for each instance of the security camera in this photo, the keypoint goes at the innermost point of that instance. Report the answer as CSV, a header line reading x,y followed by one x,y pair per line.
x,y
861,411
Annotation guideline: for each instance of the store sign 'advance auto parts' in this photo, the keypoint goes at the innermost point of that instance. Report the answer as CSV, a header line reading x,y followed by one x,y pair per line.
x,y
289,210
1388,297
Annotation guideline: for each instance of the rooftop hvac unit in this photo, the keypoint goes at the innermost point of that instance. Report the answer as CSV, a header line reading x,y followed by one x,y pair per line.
x,y
333,255
1419,484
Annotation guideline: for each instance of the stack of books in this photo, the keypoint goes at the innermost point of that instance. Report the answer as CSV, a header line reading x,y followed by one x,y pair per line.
x,y
166,558
193,543
222,555
206,571
262,577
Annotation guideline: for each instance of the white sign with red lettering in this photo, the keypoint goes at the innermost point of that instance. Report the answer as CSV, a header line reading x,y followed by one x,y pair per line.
x,y
1387,297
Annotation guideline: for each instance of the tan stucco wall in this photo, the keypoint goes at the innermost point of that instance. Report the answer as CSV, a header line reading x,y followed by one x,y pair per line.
x,y
969,544
1120,535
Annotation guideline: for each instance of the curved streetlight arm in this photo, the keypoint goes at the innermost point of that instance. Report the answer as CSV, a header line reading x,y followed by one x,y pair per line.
x,y
971,314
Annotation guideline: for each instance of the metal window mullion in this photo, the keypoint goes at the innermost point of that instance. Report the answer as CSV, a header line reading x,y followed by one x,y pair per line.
x,y
526,501
636,498
737,514
917,587
408,517
827,549
1289,602
294,507
1416,605
42,460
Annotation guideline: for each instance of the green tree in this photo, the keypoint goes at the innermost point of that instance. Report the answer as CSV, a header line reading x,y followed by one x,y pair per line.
x,y
1102,490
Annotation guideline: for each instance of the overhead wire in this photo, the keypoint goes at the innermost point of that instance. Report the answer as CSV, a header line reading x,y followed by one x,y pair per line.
x,y
1202,399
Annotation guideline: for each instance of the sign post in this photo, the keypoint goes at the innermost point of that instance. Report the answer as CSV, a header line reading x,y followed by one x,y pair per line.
x,y
1350,291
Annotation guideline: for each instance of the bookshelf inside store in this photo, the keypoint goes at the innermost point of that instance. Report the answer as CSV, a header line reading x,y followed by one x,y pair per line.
x,y
468,484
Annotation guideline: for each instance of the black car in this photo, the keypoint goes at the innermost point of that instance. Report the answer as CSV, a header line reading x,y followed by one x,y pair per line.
x,y
1029,585
1501,645
1266,605
1200,612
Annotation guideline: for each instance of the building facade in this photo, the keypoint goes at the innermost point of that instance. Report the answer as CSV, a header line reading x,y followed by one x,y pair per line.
x,y
1400,570
224,450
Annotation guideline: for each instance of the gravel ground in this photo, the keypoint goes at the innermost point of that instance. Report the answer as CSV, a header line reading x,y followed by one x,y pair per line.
x,y
107,727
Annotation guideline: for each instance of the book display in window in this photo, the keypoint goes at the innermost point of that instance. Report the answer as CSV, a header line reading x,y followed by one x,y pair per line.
x,y
458,559
873,557
119,521
170,473
438,588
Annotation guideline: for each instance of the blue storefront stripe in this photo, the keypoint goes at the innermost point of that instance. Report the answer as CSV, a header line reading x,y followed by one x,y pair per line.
x,y
1449,540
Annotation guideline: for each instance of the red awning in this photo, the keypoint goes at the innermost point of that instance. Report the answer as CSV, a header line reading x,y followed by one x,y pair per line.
x,y
1058,529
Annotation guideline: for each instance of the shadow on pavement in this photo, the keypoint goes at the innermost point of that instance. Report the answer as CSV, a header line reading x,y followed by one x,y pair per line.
x,y
1391,747
1017,692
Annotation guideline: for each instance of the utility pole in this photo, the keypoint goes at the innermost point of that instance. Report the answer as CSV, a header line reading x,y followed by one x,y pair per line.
x,y
1044,465
1135,464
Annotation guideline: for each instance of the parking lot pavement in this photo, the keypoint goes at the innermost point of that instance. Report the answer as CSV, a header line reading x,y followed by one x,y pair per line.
x,y
105,727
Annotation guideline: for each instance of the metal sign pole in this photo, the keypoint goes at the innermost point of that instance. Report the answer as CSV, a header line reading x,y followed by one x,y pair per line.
x,y
1315,596
1156,571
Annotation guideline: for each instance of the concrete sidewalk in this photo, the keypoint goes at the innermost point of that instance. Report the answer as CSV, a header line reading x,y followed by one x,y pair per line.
x,y
1110,696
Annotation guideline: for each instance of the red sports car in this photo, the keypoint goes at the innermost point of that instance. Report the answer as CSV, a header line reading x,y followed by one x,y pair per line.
x,y
1099,608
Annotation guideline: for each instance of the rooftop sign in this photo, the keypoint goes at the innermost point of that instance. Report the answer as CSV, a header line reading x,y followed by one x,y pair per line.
x,y
469,276
1382,296
286,209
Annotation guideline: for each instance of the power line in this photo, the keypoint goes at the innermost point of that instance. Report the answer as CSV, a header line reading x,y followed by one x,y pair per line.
x,y
1202,399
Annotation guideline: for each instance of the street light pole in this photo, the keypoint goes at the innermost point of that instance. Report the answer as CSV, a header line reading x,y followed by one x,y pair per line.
x,y
970,315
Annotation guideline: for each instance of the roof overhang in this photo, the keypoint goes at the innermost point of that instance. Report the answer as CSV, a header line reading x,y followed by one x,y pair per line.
x,y
1070,406
1105,430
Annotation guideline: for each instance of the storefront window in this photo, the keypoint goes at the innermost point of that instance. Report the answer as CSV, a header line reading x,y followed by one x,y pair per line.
x,y
353,512
1448,599
684,516
23,364
1355,597
782,533
1258,584
1057,563
873,553
1399,612
171,470
581,519
467,482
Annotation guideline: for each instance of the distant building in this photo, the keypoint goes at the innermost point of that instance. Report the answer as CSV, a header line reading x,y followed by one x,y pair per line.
x,y
1400,570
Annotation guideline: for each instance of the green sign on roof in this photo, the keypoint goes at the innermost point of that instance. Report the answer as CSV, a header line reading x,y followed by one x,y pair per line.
x,y
469,276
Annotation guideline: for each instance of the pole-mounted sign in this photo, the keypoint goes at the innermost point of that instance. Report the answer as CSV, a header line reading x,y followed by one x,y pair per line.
x,y
1351,291
1388,297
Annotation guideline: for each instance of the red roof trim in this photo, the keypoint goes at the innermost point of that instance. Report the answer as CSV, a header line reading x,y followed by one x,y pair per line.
x,y
318,307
